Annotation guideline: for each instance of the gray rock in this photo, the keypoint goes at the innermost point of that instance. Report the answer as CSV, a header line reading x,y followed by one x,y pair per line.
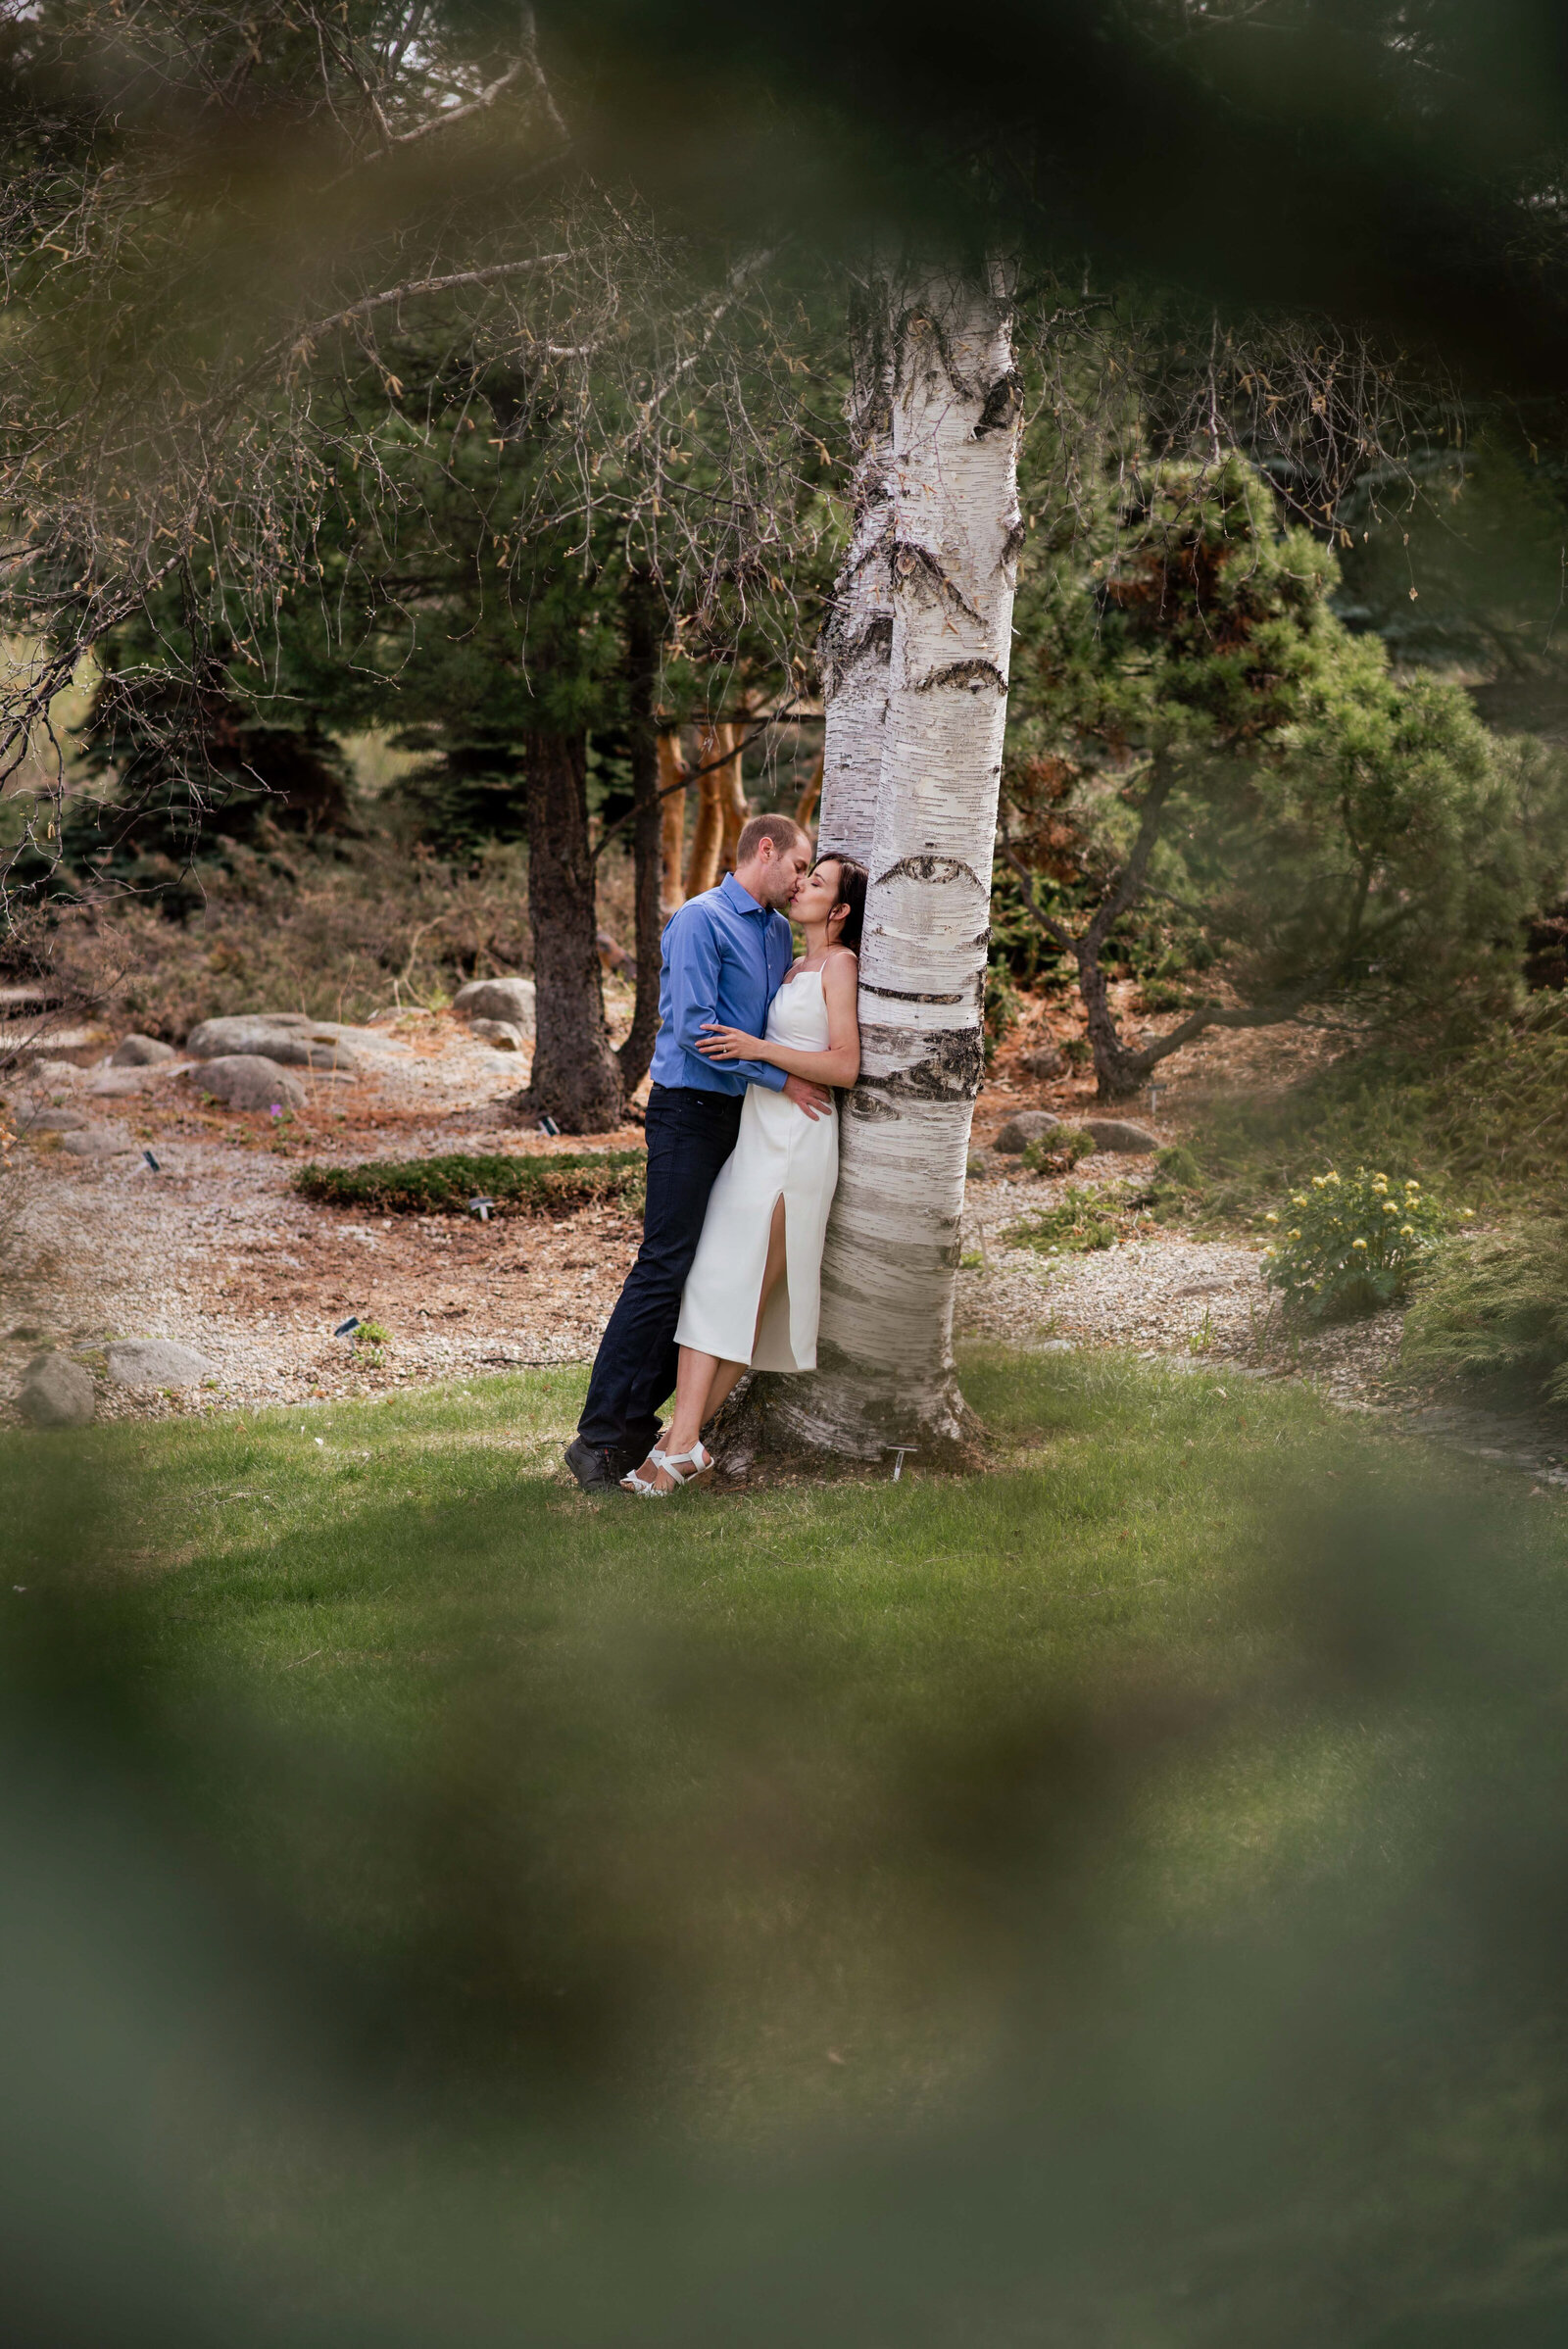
x,y
158,1362
1028,1126
97,1142
510,1000
131,1084
1115,1134
249,1081
504,1034
56,1392
1048,1061
55,1121
285,1041
140,1052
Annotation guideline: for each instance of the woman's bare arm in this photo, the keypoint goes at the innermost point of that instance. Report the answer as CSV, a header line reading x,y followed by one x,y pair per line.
x,y
840,1064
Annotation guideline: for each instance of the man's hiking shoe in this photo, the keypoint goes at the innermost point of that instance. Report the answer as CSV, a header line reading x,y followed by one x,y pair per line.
x,y
596,1468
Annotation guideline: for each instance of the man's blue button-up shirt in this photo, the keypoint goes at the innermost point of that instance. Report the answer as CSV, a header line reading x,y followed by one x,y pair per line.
x,y
724,956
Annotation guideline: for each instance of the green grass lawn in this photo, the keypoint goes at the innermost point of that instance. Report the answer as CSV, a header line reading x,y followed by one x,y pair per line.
x,y
837,1807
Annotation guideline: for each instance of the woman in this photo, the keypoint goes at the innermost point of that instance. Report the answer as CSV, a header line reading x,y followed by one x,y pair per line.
x,y
750,1296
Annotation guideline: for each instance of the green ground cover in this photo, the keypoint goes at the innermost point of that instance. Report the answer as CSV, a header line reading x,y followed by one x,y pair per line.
x,y
1483,1120
1107,1816
539,1182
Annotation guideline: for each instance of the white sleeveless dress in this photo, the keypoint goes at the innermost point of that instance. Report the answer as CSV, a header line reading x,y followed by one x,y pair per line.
x,y
781,1153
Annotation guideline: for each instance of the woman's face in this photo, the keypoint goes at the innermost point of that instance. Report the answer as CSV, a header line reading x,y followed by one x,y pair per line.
x,y
818,892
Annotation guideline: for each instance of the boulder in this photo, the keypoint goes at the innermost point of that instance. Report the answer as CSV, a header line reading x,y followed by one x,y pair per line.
x,y
510,1000
158,1362
249,1081
287,1041
54,1122
97,1142
131,1084
56,1392
504,1034
1116,1134
1028,1126
1046,1062
140,1052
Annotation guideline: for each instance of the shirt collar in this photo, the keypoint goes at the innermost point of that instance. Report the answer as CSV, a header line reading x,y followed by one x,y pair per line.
x,y
740,898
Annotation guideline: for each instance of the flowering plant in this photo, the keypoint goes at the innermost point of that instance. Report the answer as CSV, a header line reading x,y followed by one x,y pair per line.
x,y
1348,1244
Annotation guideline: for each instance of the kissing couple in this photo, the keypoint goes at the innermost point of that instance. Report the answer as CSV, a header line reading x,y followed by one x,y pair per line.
x,y
742,1156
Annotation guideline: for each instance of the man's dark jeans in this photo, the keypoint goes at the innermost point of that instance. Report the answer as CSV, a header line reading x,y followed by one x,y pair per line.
x,y
690,1135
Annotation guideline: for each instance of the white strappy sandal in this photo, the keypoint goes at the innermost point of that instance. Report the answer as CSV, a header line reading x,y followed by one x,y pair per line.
x,y
697,1461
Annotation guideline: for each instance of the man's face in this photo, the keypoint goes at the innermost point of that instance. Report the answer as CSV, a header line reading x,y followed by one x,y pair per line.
x,y
782,872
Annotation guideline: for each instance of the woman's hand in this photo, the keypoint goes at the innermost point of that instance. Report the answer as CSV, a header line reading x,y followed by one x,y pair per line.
x,y
718,1042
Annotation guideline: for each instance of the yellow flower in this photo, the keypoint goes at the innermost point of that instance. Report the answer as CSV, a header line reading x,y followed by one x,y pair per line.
x,y
1407,1231
1271,1218
1390,1207
1412,1185
1468,1213
1331,1176
1358,1243
1293,1234
1297,1198
1318,1182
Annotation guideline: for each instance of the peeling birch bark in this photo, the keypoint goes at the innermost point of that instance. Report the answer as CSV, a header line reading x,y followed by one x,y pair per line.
x,y
941,547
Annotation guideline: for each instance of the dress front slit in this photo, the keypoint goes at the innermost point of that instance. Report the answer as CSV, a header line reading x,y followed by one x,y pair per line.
x,y
780,1153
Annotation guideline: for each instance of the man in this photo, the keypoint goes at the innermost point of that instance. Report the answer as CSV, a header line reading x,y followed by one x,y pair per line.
x,y
725,955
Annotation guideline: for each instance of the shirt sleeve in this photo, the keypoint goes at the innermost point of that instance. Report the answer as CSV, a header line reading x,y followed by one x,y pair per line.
x,y
692,949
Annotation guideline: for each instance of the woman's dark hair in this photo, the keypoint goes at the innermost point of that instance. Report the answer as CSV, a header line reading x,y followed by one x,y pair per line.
x,y
853,879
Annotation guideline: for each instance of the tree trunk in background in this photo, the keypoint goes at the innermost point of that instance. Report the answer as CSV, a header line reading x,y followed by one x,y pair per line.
x,y
575,1079
915,655
806,805
644,611
732,795
672,822
708,834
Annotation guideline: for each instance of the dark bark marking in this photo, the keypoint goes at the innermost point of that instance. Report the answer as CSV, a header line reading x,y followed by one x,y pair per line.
x,y
919,568
951,1065
973,673
1003,404
905,995
929,868
867,1107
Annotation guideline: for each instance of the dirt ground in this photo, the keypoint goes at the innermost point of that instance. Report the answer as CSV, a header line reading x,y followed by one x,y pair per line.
x,y
214,1248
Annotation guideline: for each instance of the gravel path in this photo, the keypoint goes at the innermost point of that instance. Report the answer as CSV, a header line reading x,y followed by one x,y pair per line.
x,y
217,1251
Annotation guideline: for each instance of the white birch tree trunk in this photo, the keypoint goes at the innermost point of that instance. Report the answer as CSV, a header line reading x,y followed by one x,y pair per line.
x,y
935,547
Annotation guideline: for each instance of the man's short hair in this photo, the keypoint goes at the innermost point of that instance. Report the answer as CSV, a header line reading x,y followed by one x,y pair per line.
x,y
782,830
